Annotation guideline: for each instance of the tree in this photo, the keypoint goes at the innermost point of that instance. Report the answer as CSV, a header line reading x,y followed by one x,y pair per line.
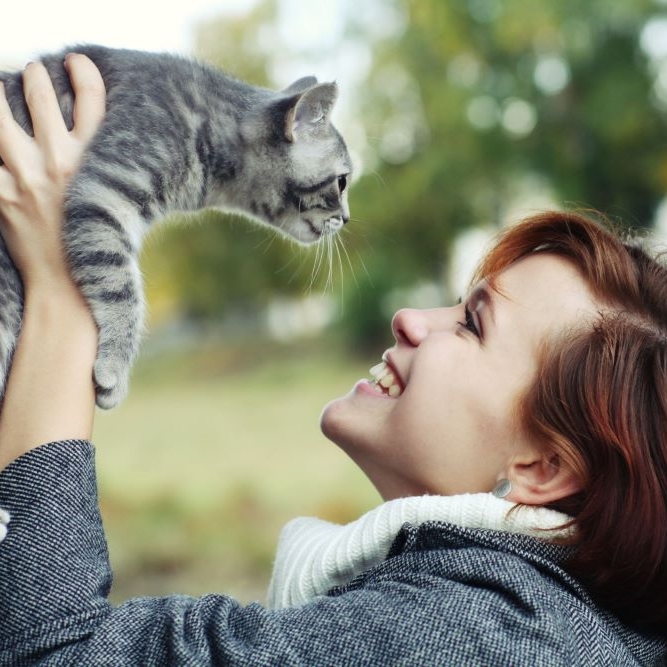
x,y
479,101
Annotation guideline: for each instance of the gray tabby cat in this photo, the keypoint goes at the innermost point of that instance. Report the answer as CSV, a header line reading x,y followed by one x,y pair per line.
x,y
178,136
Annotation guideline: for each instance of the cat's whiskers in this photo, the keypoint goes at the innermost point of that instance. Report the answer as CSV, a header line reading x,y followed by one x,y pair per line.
x,y
319,254
330,250
329,283
323,247
337,241
326,260
304,258
378,176
356,229
273,235
368,275
341,243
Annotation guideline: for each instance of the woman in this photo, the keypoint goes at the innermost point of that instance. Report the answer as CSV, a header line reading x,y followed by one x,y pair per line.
x,y
518,439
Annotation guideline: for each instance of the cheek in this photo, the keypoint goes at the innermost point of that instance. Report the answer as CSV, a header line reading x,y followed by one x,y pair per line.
x,y
496,416
474,408
425,426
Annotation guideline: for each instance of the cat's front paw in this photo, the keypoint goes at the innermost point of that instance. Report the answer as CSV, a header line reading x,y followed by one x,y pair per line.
x,y
111,381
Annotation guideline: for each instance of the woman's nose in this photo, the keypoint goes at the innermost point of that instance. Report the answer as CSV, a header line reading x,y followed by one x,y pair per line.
x,y
410,326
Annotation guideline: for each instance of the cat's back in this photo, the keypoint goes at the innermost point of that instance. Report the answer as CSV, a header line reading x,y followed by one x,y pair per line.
x,y
138,80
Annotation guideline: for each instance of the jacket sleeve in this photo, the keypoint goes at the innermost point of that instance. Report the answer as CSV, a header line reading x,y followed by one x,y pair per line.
x,y
53,561
55,577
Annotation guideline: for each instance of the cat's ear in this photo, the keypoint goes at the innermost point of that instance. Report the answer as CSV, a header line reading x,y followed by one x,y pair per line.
x,y
310,112
300,85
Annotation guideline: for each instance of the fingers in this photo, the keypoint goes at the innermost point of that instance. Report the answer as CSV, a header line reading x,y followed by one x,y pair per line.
x,y
11,135
47,120
89,95
52,157
8,192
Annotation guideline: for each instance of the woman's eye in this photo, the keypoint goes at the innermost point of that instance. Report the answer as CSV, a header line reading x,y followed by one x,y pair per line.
x,y
469,323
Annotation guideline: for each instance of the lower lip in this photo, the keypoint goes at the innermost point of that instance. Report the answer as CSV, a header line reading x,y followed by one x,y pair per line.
x,y
365,387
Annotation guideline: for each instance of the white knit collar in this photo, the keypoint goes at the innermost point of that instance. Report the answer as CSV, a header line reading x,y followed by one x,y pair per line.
x,y
314,555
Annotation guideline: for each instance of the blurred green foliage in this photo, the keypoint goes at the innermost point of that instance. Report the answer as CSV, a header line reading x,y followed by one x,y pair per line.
x,y
469,109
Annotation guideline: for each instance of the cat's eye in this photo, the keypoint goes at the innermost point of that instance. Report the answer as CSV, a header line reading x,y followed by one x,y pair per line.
x,y
342,183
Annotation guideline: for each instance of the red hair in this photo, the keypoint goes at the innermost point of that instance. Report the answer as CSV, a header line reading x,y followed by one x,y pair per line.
x,y
599,403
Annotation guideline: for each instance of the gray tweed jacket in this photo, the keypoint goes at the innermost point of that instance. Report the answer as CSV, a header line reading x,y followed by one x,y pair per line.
x,y
444,596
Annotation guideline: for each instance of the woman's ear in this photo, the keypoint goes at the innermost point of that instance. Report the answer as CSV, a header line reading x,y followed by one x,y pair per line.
x,y
540,478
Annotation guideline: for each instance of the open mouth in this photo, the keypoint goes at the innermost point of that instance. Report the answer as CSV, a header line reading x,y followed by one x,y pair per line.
x,y
386,380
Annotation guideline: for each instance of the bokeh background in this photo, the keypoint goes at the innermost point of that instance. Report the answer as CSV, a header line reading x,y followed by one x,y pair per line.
x,y
462,116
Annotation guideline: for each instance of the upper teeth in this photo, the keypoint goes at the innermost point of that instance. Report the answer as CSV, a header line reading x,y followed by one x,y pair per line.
x,y
385,377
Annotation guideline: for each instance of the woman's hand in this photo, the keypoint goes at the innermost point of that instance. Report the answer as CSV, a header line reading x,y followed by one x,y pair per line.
x,y
49,393
37,170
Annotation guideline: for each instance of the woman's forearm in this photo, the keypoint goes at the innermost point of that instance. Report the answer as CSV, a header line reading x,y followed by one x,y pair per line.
x,y
50,393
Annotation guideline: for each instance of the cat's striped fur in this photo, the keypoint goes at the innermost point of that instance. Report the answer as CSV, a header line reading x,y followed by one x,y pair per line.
x,y
178,136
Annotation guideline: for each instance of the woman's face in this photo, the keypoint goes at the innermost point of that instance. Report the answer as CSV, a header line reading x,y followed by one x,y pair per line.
x,y
450,427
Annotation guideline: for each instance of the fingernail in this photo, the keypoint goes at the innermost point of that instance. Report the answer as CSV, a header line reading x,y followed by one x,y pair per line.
x,y
30,62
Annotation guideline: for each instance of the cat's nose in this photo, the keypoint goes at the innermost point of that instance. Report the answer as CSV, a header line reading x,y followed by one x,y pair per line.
x,y
345,218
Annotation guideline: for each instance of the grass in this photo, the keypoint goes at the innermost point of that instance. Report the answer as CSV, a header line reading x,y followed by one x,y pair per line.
x,y
212,452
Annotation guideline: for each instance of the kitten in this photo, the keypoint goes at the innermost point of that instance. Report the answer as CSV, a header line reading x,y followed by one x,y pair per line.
x,y
178,136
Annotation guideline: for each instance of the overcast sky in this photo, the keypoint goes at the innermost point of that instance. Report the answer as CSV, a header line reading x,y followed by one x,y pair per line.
x,y
37,26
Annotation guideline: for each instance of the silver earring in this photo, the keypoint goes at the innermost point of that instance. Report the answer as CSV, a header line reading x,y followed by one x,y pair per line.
x,y
502,488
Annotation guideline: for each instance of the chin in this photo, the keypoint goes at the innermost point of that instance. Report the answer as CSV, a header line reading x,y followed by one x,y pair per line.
x,y
298,230
337,422
342,423
329,422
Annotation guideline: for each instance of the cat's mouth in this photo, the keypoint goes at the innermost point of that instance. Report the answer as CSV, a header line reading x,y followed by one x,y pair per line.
x,y
326,227
332,225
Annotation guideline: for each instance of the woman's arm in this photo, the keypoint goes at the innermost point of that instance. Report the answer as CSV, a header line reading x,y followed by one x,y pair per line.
x,y
50,394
